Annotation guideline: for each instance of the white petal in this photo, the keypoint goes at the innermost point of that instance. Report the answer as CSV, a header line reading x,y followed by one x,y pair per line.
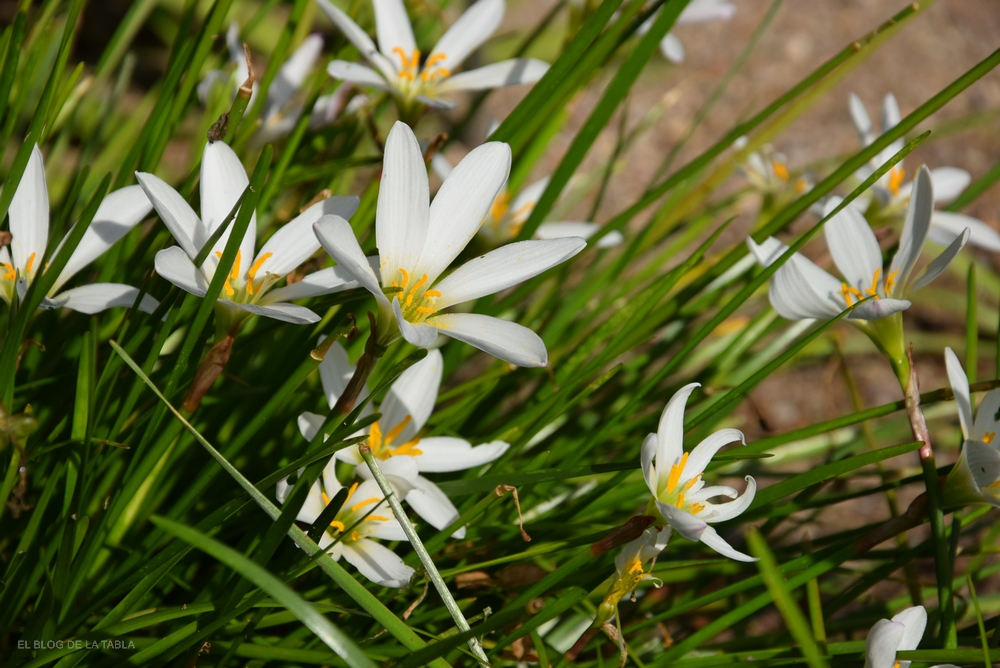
x,y
670,431
504,267
422,335
355,73
960,387
412,395
915,621
524,202
188,231
392,27
722,512
100,296
947,226
309,425
335,373
915,228
649,448
984,463
461,205
683,522
29,217
672,48
796,297
174,265
853,245
293,73
292,313
940,263
322,282
440,165
358,37
700,11
378,563
876,309
468,33
862,121
890,113
712,539
949,182
987,420
337,238
313,505
505,73
881,644
295,241
401,218
118,213
767,252
702,453
507,340
223,180
442,454
433,505
561,229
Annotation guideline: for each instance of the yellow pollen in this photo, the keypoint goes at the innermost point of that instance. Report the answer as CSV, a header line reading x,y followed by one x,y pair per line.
x,y
376,518
873,290
675,474
423,279
780,170
432,293
252,273
847,292
338,525
890,281
409,299
989,436
424,309
375,438
358,506
635,567
896,175
355,536
680,500
406,278
10,275
31,262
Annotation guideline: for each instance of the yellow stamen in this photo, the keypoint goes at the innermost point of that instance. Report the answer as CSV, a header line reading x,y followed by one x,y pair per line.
x,y
432,293
406,277
499,207
358,506
873,290
989,436
890,281
376,518
397,430
409,299
696,508
675,474
326,499
691,483
993,485
31,262
435,59
423,279
254,268
350,492
338,525
523,210
680,501
780,170
896,175
424,309
847,292
10,275
355,536
408,448
801,185
635,567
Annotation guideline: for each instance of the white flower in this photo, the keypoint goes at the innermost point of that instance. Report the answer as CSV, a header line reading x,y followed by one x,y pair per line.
x,y
247,290
364,517
675,479
118,213
767,170
417,242
509,213
975,478
396,60
631,569
801,290
406,408
696,11
902,633
892,194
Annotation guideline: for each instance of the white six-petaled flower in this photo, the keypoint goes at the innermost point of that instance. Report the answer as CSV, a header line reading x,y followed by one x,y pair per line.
x,y
675,479
975,478
901,633
118,213
394,437
396,60
247,289
417,241
891,192
362,519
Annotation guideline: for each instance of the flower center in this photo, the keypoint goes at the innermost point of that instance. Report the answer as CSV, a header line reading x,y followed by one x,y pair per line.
x,y
416,302
989,436
850,293
896,176
410,83
780,169
380,443
407,65
251,289
346,516
9,274
674,496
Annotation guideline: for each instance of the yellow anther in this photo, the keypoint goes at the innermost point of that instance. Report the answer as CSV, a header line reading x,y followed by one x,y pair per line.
x,y
680,501
801,185
634,567
409,448
9,274
442,72
989,436
675,474
408,65
358,506
780,170
500,206
375,438
523,210
30,264
424,309
890,281
993,485
397,430
252,273
350,492
409,299
423,279
326,499
338,525
376,518
847,292
406,278
355,536
696,508
692,482
434,60
432,293
873,290
896,175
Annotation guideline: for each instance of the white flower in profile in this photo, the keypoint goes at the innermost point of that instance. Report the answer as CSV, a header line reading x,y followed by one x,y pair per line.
x,y
767,170
363,519
247,290
975,478
801,290
674,477
394,436
509,212
118,213
901,633
633,565
696,11
396,60
417,242
891,192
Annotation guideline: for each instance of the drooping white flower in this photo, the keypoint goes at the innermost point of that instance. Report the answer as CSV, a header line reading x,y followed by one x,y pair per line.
x,y
976,475
404,411
631,569
801,290
675,479
891,192
361,521
118,213
417,242
509,212
696,11
396,60
247,290
902,633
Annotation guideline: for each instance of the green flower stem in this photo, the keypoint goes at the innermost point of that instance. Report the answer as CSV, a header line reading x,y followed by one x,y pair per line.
x,y
418,546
